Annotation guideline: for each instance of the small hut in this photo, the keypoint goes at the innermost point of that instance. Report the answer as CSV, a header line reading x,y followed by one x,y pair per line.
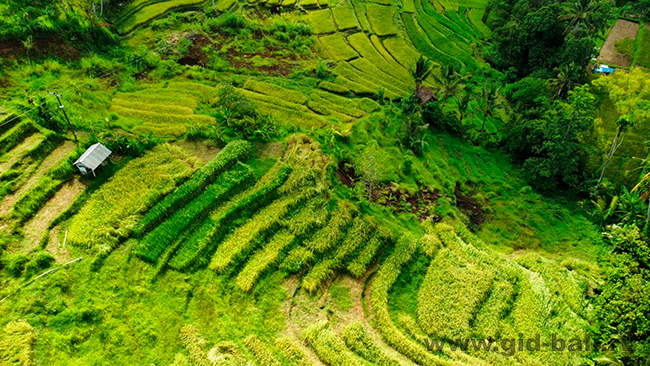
x,y
92,158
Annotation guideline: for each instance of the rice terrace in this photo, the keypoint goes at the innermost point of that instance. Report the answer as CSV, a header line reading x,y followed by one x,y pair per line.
x,y
324,182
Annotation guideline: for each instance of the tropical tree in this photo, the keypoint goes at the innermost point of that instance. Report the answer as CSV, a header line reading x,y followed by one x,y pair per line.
x,y
463,104
588,16
421,71
488,100
623,123
450,82
564,81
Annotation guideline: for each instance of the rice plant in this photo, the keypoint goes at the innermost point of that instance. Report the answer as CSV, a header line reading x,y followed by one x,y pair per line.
x,y
336,47
246,203
381,19
112,211
234,151
329,347
321,21
334,88
277,91
263,355
323,240
358,340
157,98
294,229
362,44
195,345
170,109
16,135
356,88
153,245
379,239
292,352
245,237
149,12
345,18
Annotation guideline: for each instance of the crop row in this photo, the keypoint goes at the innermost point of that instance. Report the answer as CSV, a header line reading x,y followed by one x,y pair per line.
x,y
263,355
278,101
297,227
329,347
345,18
354,238
323,240
362,44
158,98
111,211
321,21
475,16
422,43
194,345
358,266
401,51
360,10
150,12
159,108
442,25
356,88
359,341
388,82
277,91
336,47
163,236
162,118
386,277
234,151
16,135
31,202
339,104
292,352
160,130
381,19
467,24
349,72
245,237
242,205
292,116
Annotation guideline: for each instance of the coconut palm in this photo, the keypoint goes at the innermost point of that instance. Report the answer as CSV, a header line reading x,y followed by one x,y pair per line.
x,y
421,71
450,83
624,123
587,15
563,81
463,104
488,100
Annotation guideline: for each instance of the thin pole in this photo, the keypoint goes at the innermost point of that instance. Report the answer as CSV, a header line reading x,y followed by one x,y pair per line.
x,y
58,98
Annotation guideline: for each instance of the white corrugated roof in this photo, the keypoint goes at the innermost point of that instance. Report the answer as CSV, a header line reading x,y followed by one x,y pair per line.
x,y
95,155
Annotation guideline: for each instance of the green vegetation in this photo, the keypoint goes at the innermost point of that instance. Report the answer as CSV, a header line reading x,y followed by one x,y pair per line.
x,y
321,21
643,57
379,17
345,18
337,48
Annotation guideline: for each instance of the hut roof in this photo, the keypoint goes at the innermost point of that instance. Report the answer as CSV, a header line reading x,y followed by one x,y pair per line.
x,y
94,156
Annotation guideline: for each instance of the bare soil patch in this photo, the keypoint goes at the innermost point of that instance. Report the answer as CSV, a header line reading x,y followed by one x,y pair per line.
x,y
12,156
199,149
608,53
36,227
54,158
470,207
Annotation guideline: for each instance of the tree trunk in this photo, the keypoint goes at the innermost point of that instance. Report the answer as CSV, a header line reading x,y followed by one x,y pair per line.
x,y
483,125
615,146
101,9
64,8
214,7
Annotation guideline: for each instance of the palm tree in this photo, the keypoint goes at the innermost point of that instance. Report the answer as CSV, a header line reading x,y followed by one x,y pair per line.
x,y
623,123
588,15
564,80
463,104
450,83
421,72
488,100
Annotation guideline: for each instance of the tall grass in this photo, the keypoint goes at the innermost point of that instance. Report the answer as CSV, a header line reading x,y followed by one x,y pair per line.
x,y
234,151
16,135
329,347
153,245
244,204
354,238
263,355
112,211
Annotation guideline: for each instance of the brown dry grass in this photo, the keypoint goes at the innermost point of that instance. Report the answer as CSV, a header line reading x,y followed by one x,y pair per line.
x,y
609,55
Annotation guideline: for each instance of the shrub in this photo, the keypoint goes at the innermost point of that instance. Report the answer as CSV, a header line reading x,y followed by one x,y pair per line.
x,y
15,264
443,121
39,261
153,245
234,151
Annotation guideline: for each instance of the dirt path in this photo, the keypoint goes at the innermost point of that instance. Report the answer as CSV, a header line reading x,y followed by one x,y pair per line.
x,y
12,156
608,53
51,160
